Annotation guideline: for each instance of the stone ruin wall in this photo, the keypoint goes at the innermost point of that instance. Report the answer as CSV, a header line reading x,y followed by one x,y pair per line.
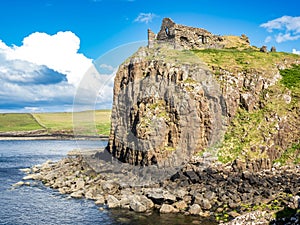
x,y
184,37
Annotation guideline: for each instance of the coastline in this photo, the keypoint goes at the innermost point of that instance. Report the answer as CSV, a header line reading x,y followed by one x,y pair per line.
x,y
24,138
42,135
207,190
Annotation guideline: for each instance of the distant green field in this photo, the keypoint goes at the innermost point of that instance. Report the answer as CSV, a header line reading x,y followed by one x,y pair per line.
x,y
18,122
52,122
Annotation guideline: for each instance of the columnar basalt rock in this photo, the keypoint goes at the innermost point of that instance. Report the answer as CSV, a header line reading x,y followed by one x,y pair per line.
x,y
161,112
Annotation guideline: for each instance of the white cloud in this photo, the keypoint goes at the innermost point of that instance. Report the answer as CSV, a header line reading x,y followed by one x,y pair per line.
x,y
286,37
288,26
145,17
288,23
58,52
268,39
296,51
43,73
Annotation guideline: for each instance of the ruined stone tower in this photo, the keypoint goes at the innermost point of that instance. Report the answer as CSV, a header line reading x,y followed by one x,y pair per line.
x,y
184,37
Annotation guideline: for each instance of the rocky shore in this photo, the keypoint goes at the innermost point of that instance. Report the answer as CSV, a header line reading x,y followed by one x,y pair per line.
x,y
45,135
223,193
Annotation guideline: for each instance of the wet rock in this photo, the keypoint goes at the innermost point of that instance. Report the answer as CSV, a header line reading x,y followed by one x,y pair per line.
x,y
26,170
100,200
181,205
195,209
21,183
146,202
137,206
77,194
165,208
34,176
156,195
112,202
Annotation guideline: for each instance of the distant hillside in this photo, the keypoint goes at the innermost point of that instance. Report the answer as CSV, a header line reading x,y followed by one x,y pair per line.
x,y
18,122
49,123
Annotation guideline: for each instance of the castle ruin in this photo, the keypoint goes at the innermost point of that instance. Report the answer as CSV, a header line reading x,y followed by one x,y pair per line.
x,y
184,37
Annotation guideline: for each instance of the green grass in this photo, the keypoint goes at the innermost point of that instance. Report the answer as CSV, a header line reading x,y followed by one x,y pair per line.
x,y
291,77
51,122
290,155
291,80
55,122
18,122
248,131
234,60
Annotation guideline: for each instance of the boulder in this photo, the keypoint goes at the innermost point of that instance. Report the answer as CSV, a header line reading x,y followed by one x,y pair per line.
x,y
112,202
79,184
156,195
35,176
21,183
100,200
137,206
181,205
109,187
192,176
263,49
77,194
165,208
205,204
195,209
146,202
273,49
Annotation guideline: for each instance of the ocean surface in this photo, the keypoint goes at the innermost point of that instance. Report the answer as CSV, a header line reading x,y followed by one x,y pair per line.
x,y
37,204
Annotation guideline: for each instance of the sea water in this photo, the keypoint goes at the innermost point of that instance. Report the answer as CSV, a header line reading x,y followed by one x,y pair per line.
x,y
37,204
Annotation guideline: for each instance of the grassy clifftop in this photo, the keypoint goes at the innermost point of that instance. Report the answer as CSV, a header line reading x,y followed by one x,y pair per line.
x,y
271,127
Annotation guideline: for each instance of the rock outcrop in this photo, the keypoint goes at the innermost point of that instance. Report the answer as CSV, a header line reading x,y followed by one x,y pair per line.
x,y
170,104
198,189
164,111
184,37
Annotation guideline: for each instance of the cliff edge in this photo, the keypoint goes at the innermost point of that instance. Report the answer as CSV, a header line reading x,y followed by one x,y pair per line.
x,y
190,91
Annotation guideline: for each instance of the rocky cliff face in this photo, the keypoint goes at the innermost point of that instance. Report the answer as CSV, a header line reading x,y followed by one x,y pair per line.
x,y
164,110
172,104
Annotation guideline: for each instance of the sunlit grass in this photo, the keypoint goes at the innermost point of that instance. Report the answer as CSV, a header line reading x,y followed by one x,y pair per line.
x,y
51,122
55,122
18,122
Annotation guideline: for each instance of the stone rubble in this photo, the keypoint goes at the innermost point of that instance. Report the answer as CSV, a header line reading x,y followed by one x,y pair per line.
x,y
213,190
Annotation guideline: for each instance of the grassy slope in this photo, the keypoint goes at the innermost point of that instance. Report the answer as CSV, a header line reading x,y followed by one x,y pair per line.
x,y
18,122
57,122
52,122
250,129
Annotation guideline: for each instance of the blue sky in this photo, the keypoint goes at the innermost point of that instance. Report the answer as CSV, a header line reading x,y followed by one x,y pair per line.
x,y
46,46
